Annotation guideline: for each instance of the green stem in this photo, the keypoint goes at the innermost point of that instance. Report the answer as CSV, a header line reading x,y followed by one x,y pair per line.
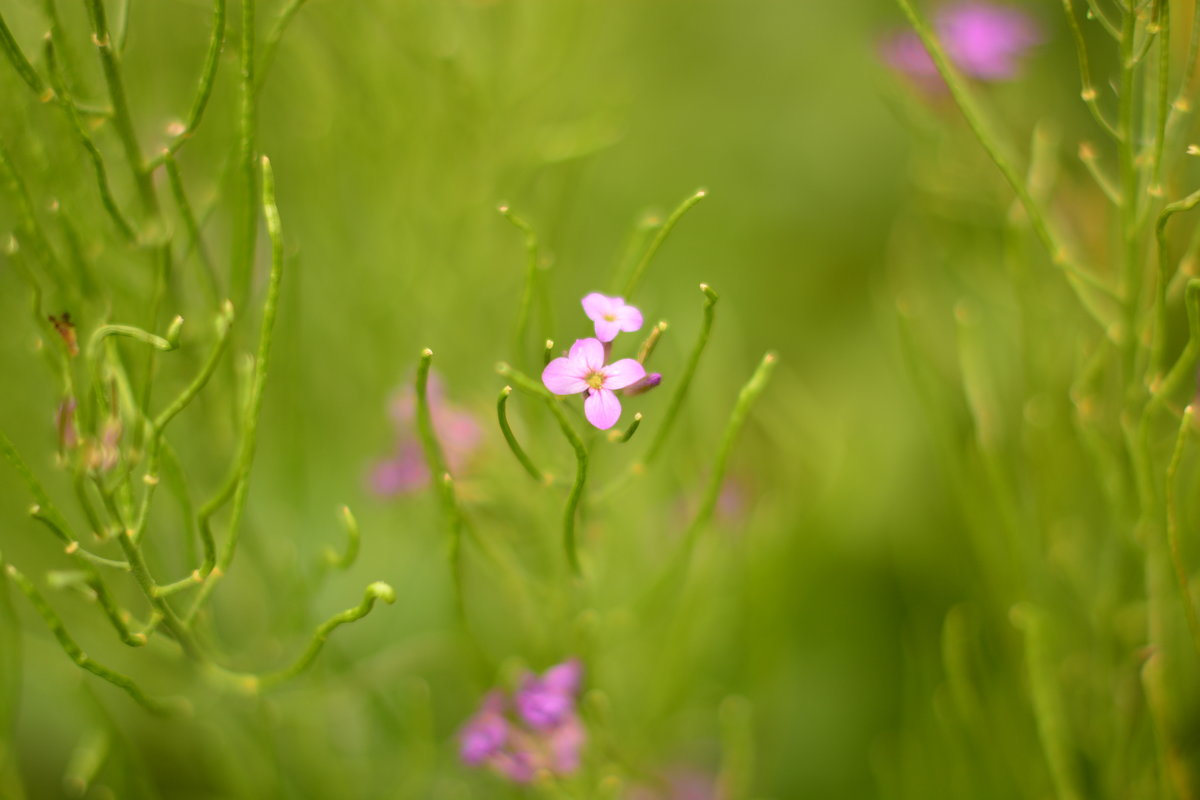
x,y
374,591
97,159
524,383
19,61
661,236
1088,92
521,332
1173,544
1164,276
54,623
246,235
175,180
685,379
622,438
274,36
353,542
506,429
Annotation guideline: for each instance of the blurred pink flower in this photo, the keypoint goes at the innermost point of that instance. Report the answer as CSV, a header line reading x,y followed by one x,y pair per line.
x,y
545,734
583,370
681,783
405,471
983,40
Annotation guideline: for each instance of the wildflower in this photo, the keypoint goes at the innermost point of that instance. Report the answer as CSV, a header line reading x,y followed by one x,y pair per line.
x,y
983,40
545,701
485,733
611,315
64,421
545,735
584,370
680,783
405,470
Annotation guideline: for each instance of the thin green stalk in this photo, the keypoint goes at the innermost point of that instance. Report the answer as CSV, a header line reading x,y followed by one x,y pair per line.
x,y
1087,154
1100,16
741,409
239,481
175,181
685,379
374,591
443,486
525,384
353,542
1159,703
158,425
85,762
622,438
547,353
1048,707
1088,92
647,348
1164,277
521,331
29,231
1078,278
122,119
141,573
506,429
1173,544
20,63
54,623
1128,184
204,89
661,236
68,105
1162,111
1183,370
246,233
274,36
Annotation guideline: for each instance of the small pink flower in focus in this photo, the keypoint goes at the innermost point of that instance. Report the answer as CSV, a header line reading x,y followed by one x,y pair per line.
x,y
457,431
983,40
584,370
611,315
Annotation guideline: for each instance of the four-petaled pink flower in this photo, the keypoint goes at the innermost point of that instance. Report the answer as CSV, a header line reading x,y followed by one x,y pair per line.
x,y
611,315
584,370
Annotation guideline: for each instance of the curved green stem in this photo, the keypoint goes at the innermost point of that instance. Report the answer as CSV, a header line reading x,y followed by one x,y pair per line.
x,y
375,591
1088,92
19,61
353,542
661,236
521,331
511,439
1173,545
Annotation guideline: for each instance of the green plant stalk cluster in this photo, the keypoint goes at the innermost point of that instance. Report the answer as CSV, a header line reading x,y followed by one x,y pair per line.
x,y
115,447
1132,400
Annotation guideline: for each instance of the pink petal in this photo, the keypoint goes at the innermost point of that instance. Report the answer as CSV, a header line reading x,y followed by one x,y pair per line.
x,y
564,677
565,375
629,318
602,408
597,305
606,330
588,353
625,372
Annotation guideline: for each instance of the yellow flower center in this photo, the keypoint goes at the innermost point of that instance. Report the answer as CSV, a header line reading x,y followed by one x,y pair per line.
x,y
596,380
610,317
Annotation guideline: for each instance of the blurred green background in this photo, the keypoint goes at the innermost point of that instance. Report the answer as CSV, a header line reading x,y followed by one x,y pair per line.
x,y
395,128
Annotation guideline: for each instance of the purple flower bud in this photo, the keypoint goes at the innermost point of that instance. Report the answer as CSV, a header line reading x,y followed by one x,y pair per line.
x,y
644,385
64,420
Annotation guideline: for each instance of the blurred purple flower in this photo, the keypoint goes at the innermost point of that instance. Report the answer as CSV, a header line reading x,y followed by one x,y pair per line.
x,y
983,40
545,735
405,470
485,733
583,370
611,315
547,701
64,421
680,784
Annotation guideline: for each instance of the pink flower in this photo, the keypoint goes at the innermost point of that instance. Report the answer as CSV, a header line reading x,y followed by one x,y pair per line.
x,y
983,40
584,370
547,701
405,470
611,315
546,733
